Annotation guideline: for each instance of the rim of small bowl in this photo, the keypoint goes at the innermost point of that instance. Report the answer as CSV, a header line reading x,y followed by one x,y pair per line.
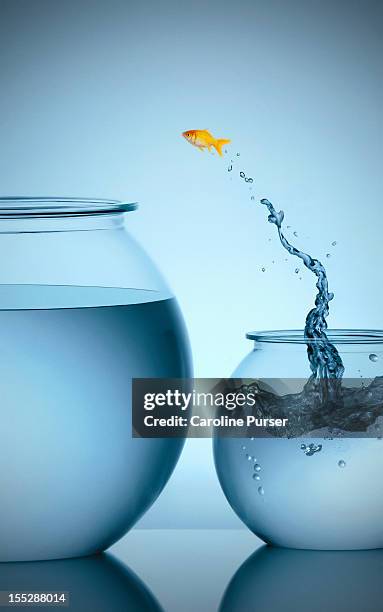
x,y
335,336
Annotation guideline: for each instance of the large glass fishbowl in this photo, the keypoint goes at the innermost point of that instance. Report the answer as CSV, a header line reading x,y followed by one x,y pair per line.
x,y
83,310
322,488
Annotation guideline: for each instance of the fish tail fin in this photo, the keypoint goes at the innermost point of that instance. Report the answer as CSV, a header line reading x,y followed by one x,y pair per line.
x,y
219,144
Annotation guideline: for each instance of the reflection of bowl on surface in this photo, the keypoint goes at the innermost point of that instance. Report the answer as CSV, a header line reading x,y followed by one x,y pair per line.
x,y
330,499
98,584
281,580
83,310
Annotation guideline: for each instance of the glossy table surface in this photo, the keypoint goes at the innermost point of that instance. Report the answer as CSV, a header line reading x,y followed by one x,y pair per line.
x,y
225,570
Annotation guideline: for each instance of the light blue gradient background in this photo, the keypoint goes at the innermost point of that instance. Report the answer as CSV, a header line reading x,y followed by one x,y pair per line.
x,y
94,96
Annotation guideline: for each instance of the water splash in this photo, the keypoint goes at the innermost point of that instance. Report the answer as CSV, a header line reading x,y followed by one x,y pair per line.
x,y
324,359
325,403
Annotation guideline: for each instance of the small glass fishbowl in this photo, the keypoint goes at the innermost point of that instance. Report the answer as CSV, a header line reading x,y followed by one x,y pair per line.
x,y
304,491
83,310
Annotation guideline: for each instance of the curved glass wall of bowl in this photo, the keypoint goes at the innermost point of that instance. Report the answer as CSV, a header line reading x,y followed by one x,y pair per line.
x,y
83,310
311,492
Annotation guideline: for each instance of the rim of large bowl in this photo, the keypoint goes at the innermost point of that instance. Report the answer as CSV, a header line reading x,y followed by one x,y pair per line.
x,y
15,206
335,336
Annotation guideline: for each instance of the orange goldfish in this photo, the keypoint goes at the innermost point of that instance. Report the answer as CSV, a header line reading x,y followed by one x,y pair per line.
x,y
204,140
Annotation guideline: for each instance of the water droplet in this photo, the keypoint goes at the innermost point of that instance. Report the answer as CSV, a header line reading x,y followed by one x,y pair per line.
x,y
256,477
250,179
328,255
252,439
261,491
230,168
296,270
249,457
252,198
273,261
288,226
373,357
295,234
238,154
263,269
310,449
243,447
242,174
342,463
257,467
333,243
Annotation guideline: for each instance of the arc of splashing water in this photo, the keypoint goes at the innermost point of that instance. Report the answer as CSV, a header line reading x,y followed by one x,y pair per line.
x,y
324,359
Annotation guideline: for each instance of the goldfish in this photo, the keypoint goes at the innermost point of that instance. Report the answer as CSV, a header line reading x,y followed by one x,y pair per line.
x,y
204,140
